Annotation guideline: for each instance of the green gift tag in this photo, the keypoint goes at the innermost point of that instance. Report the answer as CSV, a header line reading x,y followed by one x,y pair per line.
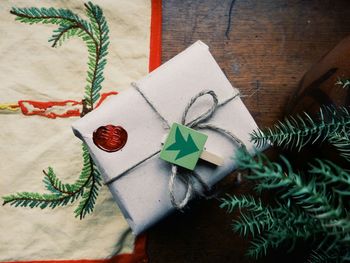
x,y
183,146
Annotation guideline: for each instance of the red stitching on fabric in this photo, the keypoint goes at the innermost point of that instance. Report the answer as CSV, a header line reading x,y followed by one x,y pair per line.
x,y
42,108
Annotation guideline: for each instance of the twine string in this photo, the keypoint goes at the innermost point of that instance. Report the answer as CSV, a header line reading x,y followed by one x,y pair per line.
x,y
196,123
189,178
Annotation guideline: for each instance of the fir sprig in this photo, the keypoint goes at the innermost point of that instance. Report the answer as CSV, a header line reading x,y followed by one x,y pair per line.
x,y
319,256
341,141
344,83
231,203
312,208
295,133
86,188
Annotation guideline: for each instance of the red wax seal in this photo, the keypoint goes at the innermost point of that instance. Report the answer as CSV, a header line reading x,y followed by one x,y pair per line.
x,y
110,138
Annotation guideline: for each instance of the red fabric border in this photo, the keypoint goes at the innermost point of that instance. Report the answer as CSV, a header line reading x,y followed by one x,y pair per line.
x,y
139,255
156,35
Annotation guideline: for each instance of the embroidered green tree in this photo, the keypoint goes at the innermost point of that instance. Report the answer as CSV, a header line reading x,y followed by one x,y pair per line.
x,y
94,33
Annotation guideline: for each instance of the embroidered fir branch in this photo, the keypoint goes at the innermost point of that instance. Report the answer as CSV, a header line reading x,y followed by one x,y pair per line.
x,y
54,184
86,205
97,60
86,188
94,33
315,209
300,131
51,15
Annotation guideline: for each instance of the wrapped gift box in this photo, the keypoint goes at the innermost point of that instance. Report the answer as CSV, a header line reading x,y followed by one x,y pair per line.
x,y
141,190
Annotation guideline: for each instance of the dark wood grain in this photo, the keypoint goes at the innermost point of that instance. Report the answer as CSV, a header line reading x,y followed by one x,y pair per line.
x,y
271,44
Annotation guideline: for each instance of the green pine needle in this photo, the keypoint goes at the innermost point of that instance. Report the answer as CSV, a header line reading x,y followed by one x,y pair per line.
x,y
86,188
318,256
87,203
344,83
230,203
341,142
313,209
26,199
93,32
258,247
295,133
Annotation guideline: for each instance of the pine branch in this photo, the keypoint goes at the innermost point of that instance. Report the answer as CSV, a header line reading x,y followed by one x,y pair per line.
x,y
93,33
333,176
64,32
87,203
290,222
278,224
300,131
231,203
319,256
255,220
27,199
258,247
86,187
53,16
312,209
308,195
344,83
312,205
252,223
97,61
54,184
341,142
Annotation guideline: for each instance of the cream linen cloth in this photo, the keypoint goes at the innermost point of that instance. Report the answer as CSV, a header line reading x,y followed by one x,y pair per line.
x,y
30,69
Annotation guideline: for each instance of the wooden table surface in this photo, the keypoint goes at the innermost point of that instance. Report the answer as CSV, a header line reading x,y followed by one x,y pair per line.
x,y
270,45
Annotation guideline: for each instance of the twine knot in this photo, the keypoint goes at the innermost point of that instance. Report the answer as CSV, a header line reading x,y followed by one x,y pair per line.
x,y
190,177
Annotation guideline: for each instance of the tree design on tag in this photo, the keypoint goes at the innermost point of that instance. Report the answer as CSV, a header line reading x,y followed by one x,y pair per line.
x,y
183,147
94,33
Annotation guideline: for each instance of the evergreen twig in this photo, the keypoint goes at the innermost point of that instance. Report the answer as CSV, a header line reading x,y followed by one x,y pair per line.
x,y
295,133
344,83
311,209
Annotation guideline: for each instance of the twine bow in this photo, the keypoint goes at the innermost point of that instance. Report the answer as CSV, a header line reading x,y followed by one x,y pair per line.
x,y
189,177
